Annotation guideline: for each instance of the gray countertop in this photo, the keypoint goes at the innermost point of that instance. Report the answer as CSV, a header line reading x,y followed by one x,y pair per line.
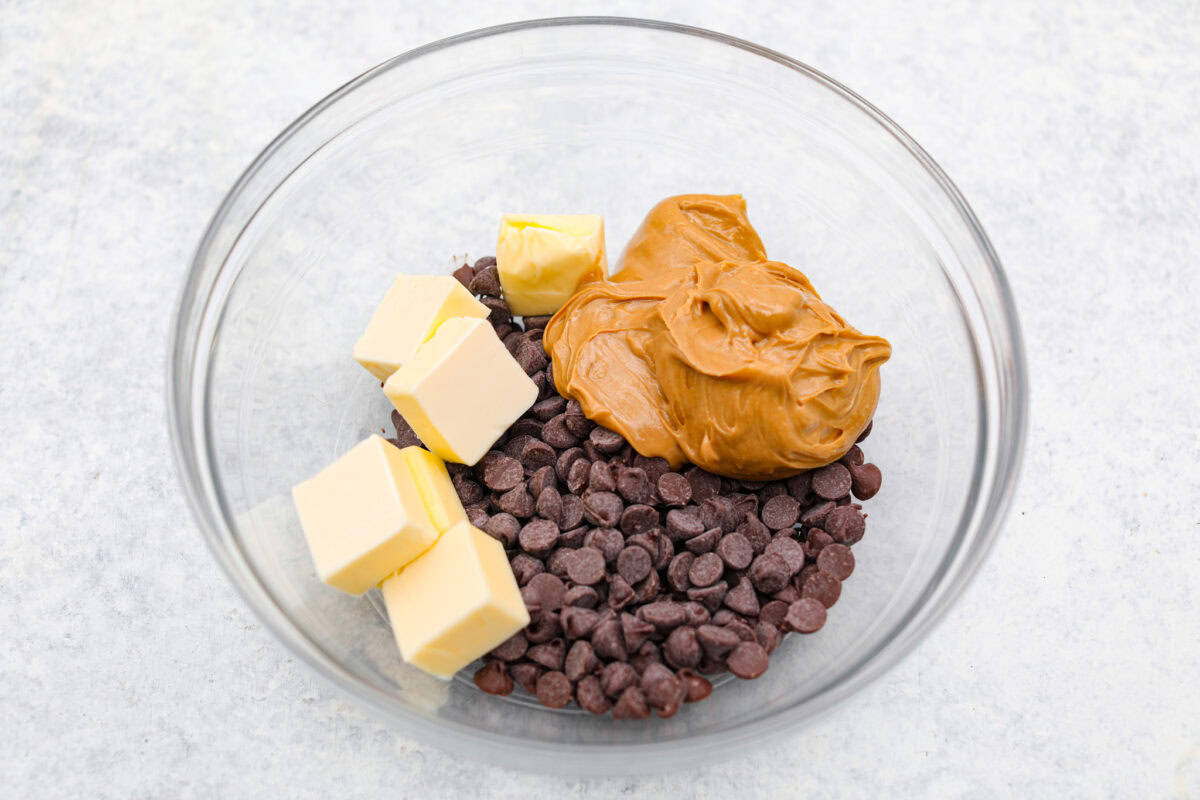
x,y
1069,669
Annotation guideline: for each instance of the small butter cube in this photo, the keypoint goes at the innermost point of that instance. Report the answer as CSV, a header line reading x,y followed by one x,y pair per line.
x,y
542,258
408,315
454,603
433,482
363,516
461,390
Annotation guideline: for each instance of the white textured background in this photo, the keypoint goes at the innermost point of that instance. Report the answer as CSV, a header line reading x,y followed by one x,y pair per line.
x,y
1071,668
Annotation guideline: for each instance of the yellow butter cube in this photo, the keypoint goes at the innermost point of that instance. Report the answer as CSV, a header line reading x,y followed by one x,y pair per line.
x,y
455,603
363,516
409,314
433,482
461,390
542,258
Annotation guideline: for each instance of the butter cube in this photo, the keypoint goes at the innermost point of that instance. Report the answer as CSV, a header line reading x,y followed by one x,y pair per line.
x,y
461,390
437,492
409,314
454,603
542,258
363,516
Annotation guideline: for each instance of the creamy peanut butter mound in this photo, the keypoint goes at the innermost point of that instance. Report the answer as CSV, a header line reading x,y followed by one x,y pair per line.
x,y
700,350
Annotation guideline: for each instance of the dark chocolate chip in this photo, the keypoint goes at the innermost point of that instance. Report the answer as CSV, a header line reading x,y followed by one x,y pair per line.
x,y
500,313
524,567
504,527
602,477
757,535
538,536
769,573
581,597
831,481
607,641
822,587
633,485
603,508
705,542
710,597
635,631
606,441
616,677
555,433
572,512
780,512
511,648
517,502
742,598
477,515
748,660
663,614
501,472
620,593
544,628
684,523
550,505
631,705
696,687
815,515
704,484
866,432
695,614
837,560
706,570
608,540
773,612
852,457
578,622
587,567
486,282
553,690
674,489
716,641
677,571
547,409
493,679
735,550
549,589
806,615
634,564
549,654
865,480
767,635
638,519
590,697
845,524
464,275
648,589
580,661
791,551
578,475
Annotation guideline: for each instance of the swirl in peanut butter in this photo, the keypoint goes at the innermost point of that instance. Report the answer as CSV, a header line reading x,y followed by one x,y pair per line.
x,y
700,350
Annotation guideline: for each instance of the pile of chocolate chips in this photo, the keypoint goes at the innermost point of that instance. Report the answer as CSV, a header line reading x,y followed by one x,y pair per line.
x,y
641,580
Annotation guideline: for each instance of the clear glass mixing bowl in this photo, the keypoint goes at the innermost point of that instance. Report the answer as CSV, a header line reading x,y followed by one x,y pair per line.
x,y
414,161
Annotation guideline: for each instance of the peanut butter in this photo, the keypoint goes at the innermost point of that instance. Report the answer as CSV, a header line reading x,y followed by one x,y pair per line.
x,y
700,350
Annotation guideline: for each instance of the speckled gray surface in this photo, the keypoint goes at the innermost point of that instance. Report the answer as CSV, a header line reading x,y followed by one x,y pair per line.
x,y
1069,668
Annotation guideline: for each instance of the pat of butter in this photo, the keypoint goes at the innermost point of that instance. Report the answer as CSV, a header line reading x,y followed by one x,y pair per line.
x,y
542,258
363,516
455,603
437,492
461,390
409,314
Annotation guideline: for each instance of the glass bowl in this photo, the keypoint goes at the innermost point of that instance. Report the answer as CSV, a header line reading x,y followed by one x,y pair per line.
x,y
414,161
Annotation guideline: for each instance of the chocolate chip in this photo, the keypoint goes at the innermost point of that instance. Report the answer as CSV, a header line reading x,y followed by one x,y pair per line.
x,y
710,597
544,628
769,573
735,550
603,508
696,688
695,614
608,540
553,690
791,551
817,540
550,505
704,484
515,444
556,563
512,340
616,677
674,489
477,516
772,489
549,654
663,615
500,313
865,480
501,472
493,679
773,612
780,512
526,675
748,660
536,454
517,502
469,492
538,536
531,356
648,589
684,523
661,687
555,433
485,261
646,655
806,615
634,564
845,524
757,535
677,571
590,697
816,514
866,431
542,478
504,527
578,622
631,705
706,570
549,408
580,661
620,593
549,589
822,587
578,474
767,635
576,422
635,631
837,560
606,441
524,567
465,275
572,512
486,282
831,481
582,597
511,648
705,542
633,485
852,457
602,477
798,485
716,641
607,641
742,598
587,567
666,550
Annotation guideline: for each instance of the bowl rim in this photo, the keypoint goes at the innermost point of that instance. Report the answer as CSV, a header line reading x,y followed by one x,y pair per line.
x,y
991,507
